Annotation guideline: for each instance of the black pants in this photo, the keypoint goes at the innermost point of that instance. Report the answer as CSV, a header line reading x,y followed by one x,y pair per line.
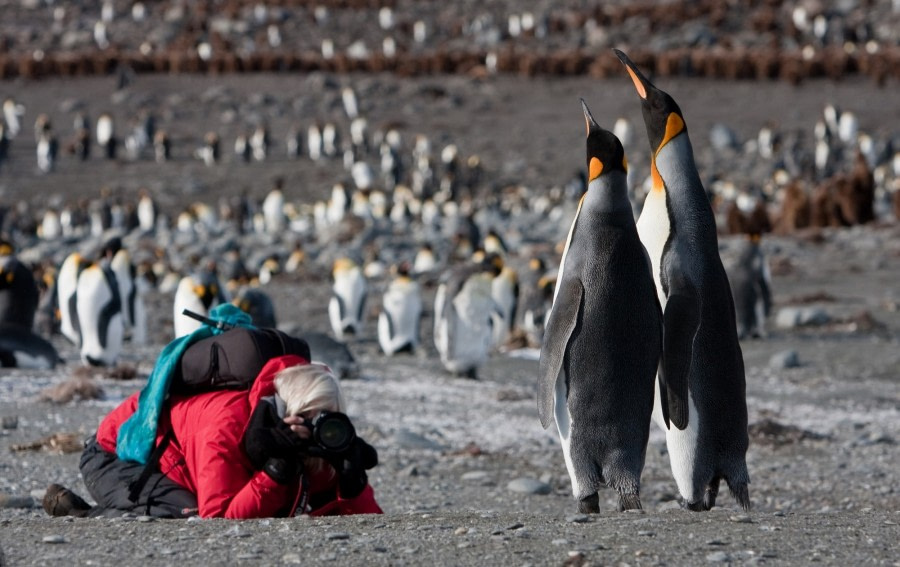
x,y
108,479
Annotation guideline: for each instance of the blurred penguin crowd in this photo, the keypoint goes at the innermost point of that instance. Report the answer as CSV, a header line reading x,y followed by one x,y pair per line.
x,y
408,212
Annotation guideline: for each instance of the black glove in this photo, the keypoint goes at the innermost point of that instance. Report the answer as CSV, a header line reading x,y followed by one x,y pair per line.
x,y
269,437
351,466
282,471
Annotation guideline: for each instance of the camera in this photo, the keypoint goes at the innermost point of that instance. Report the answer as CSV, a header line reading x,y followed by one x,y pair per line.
x,y
332,432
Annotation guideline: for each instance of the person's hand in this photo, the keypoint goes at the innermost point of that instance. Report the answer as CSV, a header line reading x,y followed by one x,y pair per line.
x,y
299,425
269,437
351,467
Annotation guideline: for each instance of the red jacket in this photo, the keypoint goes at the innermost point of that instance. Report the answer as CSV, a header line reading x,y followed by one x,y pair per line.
x,y
207,458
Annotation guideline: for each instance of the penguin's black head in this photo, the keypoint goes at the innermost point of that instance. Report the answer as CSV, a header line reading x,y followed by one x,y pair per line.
x,y
604,150
662,116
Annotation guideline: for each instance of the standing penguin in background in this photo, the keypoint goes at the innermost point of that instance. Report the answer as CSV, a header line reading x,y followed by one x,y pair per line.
x,y
401,313
603,339
198,293
346,309
131,291
99,308
751,283
19,293
463,317
505,291
66,287
703,367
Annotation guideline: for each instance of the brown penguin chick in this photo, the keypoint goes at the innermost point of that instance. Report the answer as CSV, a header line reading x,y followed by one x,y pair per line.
x,y
858,194
758,221
796,208
825,211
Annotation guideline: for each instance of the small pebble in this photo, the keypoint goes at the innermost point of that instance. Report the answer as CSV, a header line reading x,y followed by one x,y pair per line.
x,y
578,519
337,535
146,519
475,475
718,557
461,531
54,539
741,519
528,486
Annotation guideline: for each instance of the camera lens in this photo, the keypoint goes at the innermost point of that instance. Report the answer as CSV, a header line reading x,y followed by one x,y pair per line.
x,y
333,431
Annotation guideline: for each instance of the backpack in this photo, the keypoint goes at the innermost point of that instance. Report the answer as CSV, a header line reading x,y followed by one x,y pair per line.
x,y
234,363
232,360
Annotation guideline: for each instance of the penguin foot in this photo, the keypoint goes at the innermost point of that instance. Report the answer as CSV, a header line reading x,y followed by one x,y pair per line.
x,y
471,373
629,502
741,493
589,504
698,506
709,498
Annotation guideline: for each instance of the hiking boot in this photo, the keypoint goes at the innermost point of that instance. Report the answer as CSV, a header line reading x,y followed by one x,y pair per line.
x,y
60,501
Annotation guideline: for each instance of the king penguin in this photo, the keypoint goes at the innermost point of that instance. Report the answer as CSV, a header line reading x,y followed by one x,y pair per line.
x,y
131,292
256,303
603,339
19,293
66,287
198,293
401,313
346,309
703,367
99,308
463,317
751,285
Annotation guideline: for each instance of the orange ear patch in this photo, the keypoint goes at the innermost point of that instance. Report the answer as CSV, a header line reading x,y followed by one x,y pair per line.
x,y
674,126
596,168
642,92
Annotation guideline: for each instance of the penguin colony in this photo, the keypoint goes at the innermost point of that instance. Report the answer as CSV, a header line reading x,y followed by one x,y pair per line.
x,y
766,40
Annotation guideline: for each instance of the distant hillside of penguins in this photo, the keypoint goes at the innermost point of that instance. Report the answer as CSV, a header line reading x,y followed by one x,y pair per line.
x,y
405,212
787,41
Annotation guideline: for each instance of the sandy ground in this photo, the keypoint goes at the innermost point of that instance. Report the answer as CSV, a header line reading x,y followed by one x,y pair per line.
x,y
467,475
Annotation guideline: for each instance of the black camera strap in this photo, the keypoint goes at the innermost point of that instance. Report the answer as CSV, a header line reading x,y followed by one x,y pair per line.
x,y
303,500
135,487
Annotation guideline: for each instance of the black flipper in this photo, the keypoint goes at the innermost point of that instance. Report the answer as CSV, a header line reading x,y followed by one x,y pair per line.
x,y
681,321
112,307
390,322
362,307
561,323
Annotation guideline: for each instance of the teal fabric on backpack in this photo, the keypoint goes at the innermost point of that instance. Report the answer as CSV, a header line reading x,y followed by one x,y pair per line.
x,y
137,435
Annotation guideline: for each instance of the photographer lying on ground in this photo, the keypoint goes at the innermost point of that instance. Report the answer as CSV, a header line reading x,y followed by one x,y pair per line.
x,y
278,449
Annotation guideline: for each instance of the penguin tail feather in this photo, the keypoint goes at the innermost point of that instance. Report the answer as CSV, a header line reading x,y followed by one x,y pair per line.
x,y
741,494
629,502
